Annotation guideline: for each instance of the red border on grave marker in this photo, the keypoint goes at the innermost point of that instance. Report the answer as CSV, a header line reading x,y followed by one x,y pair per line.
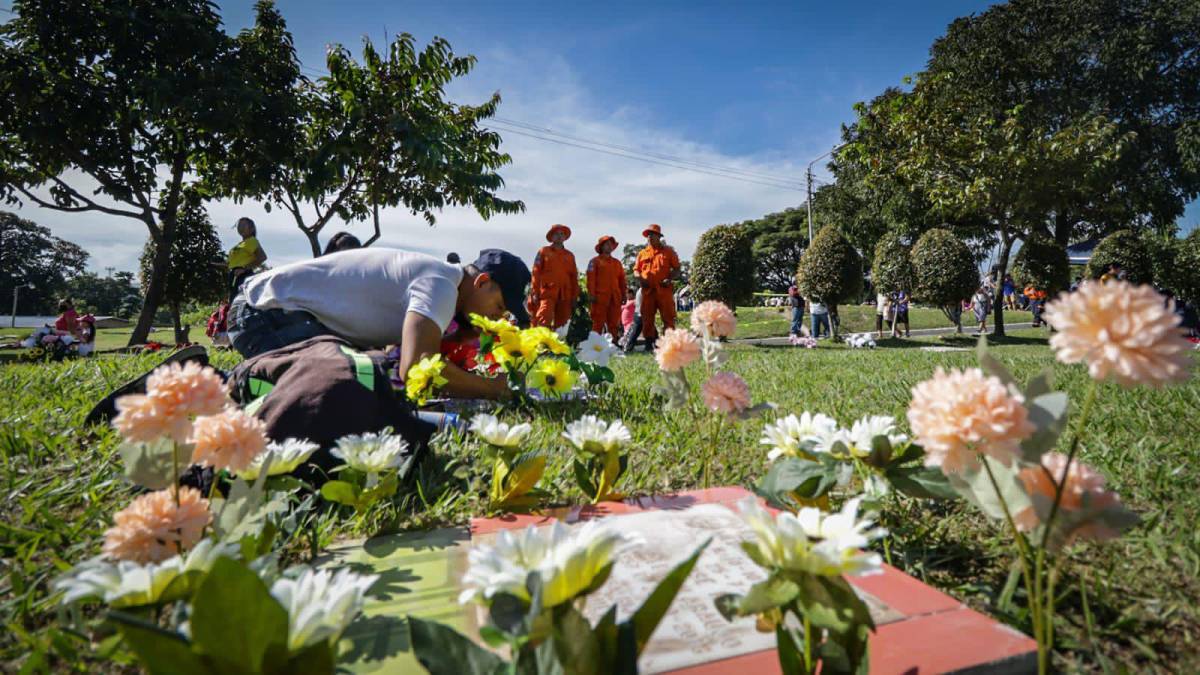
x,y
963,637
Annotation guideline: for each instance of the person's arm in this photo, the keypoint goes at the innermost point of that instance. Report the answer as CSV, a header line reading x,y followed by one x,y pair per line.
x,y
423,338
676,267
260,256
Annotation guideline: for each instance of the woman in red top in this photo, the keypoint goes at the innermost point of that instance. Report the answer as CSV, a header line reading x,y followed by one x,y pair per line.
x,y
68,319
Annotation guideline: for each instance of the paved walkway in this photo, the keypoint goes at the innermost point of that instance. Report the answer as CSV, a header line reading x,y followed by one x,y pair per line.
x,y
919,332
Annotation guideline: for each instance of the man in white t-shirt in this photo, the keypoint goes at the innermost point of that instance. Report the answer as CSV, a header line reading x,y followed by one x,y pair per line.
x,y
373,297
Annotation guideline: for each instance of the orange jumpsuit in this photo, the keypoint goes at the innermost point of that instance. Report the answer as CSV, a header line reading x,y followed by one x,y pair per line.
x,y
555,284
656,266
606,285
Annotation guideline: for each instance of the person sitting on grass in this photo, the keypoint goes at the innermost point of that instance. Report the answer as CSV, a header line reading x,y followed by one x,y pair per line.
x,y
374,297
67,322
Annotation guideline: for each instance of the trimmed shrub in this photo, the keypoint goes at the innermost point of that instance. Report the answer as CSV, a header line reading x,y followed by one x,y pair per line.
x,y
723,266
892,270
830,269
1043,263
1187,268
1127,249
944,271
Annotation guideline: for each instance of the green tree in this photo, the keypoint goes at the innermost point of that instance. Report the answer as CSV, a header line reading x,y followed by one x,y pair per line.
x,y
1042,262
779,239
944,272
194,271
892,269
37,261
375,134
830,269
106,104
1187,261
723,266
1126,249
113,295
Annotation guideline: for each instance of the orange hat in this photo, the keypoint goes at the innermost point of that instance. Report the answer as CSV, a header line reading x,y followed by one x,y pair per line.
x,y
605,238
653,229
554,228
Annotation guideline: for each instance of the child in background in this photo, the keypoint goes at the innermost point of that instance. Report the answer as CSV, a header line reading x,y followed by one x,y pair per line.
x,y
628,310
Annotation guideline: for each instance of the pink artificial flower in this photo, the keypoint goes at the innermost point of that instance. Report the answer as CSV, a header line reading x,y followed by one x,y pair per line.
x,y
230,440
153,528
958,414
716,316
726,392
677,347
174,395
1084,488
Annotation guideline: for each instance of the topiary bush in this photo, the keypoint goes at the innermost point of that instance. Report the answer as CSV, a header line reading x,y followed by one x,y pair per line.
x,y
1187,268
1042,262
892,269
1128,250
723,266
944,271
830,269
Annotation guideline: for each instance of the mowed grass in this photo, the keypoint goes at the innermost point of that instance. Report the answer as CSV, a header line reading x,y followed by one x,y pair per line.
x,y
1131,603
756,322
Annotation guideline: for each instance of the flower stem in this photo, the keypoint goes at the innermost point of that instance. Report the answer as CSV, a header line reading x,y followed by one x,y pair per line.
x,y
1032,580
1060,481
808,656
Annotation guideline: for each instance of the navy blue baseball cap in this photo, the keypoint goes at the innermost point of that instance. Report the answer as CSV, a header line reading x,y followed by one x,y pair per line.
x,y
512,275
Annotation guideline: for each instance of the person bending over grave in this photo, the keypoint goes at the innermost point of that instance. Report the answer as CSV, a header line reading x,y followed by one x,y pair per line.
x,y
374,297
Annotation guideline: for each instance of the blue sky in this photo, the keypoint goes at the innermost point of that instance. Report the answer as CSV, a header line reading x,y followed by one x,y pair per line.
x,y
758,86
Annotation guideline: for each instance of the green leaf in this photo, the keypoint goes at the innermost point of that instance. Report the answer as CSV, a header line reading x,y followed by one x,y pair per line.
x,y
976,487
991,366
881,452
527,470
341,492
444,651
231,590
575,644
315,659
583,478
727,605
1048,413
1039,384
830,603
152,465
789,647
802,477
386,487
160,652
244,499
507,612
774,592
655,606
922,482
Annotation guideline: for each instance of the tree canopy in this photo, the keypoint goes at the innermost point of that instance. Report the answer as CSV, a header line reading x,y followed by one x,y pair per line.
x,y
195,272
944,271
723,266
779,239
892,269
112,107
1042,262
830,269
1126,249
41,263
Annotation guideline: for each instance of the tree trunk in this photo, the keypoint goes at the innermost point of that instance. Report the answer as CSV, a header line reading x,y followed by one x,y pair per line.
x,y
154,292
180,334
1006,243
313,242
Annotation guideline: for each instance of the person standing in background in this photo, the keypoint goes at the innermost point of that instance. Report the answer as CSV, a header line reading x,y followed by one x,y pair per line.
x,y
900,301
656,268
982,304
797,304
555,284
245,257
820,316
606,288
1008,289
634,328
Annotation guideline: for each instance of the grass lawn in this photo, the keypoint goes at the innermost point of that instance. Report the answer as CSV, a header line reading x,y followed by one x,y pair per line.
x,y
1132,603
755,322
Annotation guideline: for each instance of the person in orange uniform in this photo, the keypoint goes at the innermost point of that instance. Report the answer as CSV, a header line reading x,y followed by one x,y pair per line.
x,y
657,266
555,284
606,286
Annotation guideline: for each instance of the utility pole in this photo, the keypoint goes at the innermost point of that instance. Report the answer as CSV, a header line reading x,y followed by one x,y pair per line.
x,y
808,179
16,288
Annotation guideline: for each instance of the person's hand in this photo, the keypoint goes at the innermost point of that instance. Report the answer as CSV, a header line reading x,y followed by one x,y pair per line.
x,y
665,283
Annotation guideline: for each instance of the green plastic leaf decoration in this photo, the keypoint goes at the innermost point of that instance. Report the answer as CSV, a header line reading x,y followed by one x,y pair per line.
x,y
577,647
159,651
151,465
991,366
773,592
444,651
976,487
922,482
1048,413
341,492
260,630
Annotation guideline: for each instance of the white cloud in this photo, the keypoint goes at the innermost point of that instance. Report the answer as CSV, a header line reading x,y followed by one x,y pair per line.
x,y
595,194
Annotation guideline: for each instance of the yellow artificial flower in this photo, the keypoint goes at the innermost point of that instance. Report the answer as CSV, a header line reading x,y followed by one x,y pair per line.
x,y
423,378
544,339
514,351
552,377
496,327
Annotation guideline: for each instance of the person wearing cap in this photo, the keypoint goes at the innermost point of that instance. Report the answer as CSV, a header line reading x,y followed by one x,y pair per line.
x,y
246,256
656,268
374,297
555,283
606,287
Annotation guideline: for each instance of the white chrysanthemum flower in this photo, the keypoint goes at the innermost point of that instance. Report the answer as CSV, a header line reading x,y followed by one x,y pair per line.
x,y
862,434
790,435
129,584
813,542
567,559
285,457
597,349
491,430
320,604
371,452
592,435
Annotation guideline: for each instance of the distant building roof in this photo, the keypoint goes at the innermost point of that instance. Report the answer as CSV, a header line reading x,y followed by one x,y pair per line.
x,y
1081,253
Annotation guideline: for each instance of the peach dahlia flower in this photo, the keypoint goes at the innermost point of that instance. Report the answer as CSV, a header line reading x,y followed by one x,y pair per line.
x,y
716,316
957,414
230,440
153,528
726,392
174,395
677,347
1123,332
1082,483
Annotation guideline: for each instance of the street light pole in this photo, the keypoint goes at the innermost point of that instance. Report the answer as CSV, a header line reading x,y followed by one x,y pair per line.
x,y
808,178
14,312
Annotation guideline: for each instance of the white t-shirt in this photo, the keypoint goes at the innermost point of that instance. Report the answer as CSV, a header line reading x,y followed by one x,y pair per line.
x,y
881,302
362,294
